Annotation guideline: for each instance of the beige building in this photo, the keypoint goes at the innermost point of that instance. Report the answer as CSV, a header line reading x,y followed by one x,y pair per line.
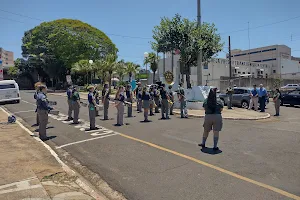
x,y
7,58
270,55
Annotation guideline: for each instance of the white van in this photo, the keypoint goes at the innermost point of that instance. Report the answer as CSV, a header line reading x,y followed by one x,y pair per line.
x,y
9,91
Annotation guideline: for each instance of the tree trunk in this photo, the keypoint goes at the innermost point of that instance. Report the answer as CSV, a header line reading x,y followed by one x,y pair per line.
x,y
154,77
130,77
188,81
164,63
109,82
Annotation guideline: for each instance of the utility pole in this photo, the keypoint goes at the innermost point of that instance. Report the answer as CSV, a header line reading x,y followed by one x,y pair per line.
x,y
199,60
229,90
229,50
249,56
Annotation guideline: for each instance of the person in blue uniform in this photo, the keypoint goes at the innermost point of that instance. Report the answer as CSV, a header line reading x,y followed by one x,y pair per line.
x,y
164,102
92,108
129,98
70,107
146,103
120,98
105,100
75,105
43,109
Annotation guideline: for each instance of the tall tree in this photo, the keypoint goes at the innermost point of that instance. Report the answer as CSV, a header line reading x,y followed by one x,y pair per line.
x,y
187,37
152,60
61,43
111,65
121,69
132,69
82,67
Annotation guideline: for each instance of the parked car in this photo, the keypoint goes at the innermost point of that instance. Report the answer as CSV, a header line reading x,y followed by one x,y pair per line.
x,y
292,98
291,86
9,91
240,98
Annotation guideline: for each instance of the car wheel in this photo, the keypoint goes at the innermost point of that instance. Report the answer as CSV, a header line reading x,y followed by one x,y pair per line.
x,y
245,104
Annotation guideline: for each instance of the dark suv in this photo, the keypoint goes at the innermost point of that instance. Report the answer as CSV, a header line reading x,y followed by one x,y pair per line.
x,y
240,97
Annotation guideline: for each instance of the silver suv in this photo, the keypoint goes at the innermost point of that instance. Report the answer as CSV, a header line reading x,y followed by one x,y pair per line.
x,y
240,97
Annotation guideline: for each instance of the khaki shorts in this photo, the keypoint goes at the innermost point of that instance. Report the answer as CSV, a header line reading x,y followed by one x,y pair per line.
x,y
213,122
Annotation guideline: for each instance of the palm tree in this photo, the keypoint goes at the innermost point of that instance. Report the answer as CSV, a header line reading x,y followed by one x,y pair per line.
x,y
131,69
111,65
152,59
121,69
82,67
99,67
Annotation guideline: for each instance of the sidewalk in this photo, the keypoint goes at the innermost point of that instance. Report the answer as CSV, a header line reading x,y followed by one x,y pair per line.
x,y
30,171
234,114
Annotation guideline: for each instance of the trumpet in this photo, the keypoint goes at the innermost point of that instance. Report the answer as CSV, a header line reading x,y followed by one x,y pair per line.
x,y
170,102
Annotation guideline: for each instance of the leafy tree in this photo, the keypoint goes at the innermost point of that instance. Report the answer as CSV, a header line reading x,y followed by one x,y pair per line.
x,y
100,69
131,69
13,72
111,65
58,44
82,67
187,37
152,60
121,69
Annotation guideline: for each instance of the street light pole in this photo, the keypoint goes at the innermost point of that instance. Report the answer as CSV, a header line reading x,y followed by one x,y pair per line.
x,y
199,60
146,56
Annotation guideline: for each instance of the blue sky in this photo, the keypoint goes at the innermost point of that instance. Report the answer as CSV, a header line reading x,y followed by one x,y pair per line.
x,y
136,18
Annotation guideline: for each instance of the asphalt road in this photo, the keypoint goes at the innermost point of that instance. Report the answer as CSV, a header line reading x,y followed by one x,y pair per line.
x,y
161,159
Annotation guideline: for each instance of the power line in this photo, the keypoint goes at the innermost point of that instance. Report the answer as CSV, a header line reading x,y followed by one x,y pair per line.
x,y
21,15
12,20
278,22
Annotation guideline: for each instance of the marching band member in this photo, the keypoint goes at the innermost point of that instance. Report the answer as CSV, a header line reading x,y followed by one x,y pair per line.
x,y
70,105
182,100
92,107
151,100
43,109
164,102
156,99
129,98
105,100
171,99
120,105
97,100
75,105
138,93
37,90
146,103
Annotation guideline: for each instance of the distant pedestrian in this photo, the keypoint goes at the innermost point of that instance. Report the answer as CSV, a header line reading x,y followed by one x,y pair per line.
x,y
129,98
146,103
152,103
120,98
182,100
171,95
277,101
75,105
105,100
70,105
254,98
262,95
164,102
213,118
43,109
37,90
97,100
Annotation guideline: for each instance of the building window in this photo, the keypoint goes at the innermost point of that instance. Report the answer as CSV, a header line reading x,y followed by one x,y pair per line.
x,y
244,72
248,72
269,50
274,71
239,72
269,59
234,70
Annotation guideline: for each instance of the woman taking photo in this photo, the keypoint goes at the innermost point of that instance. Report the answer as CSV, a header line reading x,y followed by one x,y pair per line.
x,y
213,118
146,103
120,105
276,100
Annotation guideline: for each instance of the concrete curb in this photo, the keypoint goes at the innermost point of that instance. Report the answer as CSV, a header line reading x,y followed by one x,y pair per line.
x,y
79,181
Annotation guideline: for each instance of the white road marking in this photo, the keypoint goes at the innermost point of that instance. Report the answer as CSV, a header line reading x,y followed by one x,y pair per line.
x,y
19,186
28,102
81,141
98,134
24,111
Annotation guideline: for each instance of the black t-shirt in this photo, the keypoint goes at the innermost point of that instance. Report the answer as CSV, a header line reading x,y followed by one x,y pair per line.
x,y
163,94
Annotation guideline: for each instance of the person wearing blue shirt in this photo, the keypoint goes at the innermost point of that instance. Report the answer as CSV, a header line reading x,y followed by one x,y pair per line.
x,y
43,109
262,95
92,108
70,107
254,98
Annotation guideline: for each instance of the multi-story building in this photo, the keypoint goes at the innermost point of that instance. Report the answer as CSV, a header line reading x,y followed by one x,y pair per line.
x,y
275,55
7,58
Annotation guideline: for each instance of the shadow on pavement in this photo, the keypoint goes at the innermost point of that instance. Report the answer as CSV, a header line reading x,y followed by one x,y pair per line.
x,y
210,151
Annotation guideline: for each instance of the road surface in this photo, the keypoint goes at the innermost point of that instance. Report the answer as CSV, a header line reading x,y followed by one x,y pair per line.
x,y
161,159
